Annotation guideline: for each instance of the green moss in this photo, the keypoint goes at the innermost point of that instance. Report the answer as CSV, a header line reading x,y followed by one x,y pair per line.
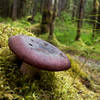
x,y
46,20
6,31
35,28
7,58
5,52
48,16
3,36
44,28
53,41
49,86
76,68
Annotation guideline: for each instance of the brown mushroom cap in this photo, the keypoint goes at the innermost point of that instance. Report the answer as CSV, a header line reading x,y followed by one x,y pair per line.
x,y
38,53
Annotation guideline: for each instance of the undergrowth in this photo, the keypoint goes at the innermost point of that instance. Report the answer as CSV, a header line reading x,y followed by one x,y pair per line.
x,y
65,31
74,84
50,86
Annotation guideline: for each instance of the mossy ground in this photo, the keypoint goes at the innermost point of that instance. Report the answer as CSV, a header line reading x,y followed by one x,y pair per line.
x,y
65,85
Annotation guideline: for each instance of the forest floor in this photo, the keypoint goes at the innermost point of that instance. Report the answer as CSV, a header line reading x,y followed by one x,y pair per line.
x,y
89,62
82,81
65,31
86,50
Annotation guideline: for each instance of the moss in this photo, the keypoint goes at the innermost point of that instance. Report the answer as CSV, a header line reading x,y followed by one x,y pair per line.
x,y
48,16
53,41
7,58
3,37
46,20
77,68
50,85
44,28
5,52
6,31
34,28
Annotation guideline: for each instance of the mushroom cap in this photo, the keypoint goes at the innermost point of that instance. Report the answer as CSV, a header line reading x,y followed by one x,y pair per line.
x,y
38,53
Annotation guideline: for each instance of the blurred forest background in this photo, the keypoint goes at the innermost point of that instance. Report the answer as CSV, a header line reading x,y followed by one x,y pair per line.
x,y
77,22
71,25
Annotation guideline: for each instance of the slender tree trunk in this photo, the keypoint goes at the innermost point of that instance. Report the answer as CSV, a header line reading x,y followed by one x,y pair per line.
x,y
74,9
98,19
46,16
80,18
14,12
62,4
59,7
95,15
10,8
41,6
20,11
34,10
4,8
53,19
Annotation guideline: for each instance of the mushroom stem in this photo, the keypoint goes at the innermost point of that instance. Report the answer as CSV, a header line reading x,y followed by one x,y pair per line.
x,y
29,70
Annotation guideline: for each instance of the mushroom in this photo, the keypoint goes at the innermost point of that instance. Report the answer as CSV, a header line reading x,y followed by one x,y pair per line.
x,y
37,54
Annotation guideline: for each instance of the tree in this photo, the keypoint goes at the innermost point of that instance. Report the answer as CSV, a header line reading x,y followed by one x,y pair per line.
x,y
80,18
20,8
95,15
62,4
34,10
98,19
46,16
4,8
41,6
55,6
14,10
74,12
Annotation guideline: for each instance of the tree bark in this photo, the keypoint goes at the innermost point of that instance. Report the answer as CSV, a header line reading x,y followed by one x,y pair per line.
x,y
20,8
62,4
74,12
53,19
4,8
95,15
41,6
46,16
14,12
98,19
34,10
80,18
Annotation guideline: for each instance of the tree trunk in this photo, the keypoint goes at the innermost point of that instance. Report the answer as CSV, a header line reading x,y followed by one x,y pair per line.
x,y
80,18
95,15
14,12
20,8
59,7
41,6
98,19
62,4
4,8
10,8
46,16
34,10
53,19
74,12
